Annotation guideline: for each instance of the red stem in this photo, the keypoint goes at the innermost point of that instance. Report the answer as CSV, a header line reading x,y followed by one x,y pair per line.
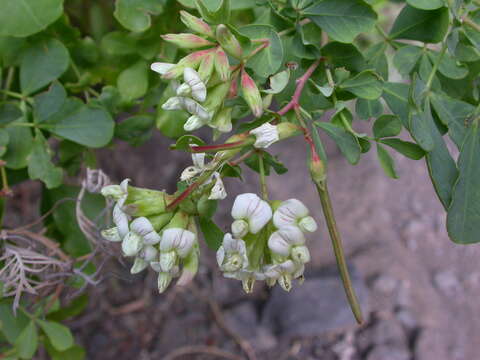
x,y
200,149
301,81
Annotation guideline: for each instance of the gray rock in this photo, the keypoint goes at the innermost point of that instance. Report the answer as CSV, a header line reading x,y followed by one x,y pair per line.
x,y
242,319
447,282
407,319
385,283
386,352
316,307
389,332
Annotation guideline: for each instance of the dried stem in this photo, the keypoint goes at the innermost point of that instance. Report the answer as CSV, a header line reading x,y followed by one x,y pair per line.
x,y
200,349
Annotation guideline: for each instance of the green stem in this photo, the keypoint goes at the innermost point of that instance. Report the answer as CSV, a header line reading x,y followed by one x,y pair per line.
x,y
9,80
338,250
471,23
436,65
263,181
17,95
386,37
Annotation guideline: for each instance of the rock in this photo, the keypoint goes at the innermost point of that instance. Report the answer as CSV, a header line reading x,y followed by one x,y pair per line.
x,y
387,352
447,282
242,319
389,332
385,283
407,319
316,307
431,346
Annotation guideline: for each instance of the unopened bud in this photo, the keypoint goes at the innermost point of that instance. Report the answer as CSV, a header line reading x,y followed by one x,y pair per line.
x,y
317,170
206,67
239,229
287,129
164,279
196,24
251,94
233,91
221,64
187,41
167,260
308,223
229,42
266,135
138,266
223,120
192,60
300,254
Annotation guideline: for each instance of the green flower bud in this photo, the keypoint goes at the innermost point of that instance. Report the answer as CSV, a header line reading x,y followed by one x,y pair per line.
x,y
145,202
196,24
216,96
206,67
229,42
187,41
223,120
222,67
192,60
251,94
179,220
159,221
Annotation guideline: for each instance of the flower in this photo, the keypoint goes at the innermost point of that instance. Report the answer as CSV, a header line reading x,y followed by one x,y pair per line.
x,y
232,256
198,166
251,214
266,135
190,105
198,88
294,212
283,273
218,190
283,240
141,233
176,242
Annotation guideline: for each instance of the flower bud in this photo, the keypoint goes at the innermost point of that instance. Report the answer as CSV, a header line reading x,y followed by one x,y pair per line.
x,y
206,67
266,135
300,254
239,228
164,279
307,223
193,123
161,67
192,60
198,88
251,94
183,90
196,24
173,103
131,244
111,234
113,191
223,120
229,42
233,91
218,190
221,64
167,260
138,265
286,130
187,41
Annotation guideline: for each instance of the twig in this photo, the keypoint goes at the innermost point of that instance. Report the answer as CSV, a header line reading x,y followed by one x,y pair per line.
x,y
200,349
44,216
242,158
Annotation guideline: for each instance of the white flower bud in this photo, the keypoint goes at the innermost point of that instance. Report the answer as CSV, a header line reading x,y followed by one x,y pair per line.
x,y
195,108
179,240
139,265
131,244
253,210
149,253
174,103
167,260
293,212
164,279
120,219
184,90
218,190
282,241
111,234
161,67
300,254
198,88
193,123
239,228
143,227
266,135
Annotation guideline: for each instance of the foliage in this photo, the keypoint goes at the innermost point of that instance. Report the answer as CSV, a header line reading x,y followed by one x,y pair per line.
x,y
75,78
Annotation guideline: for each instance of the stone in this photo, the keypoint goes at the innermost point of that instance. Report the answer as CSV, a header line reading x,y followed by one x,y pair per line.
x,y
317,306
388,332
447,282
385,283
386,352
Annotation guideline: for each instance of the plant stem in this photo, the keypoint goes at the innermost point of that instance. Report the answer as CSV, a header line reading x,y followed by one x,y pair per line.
x,y
16,95
9,80
289,30
471,23
338,250
386,37
436,65
263,181
227,146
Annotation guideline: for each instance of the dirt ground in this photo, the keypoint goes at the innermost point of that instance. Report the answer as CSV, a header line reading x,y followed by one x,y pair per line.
x,y
419,291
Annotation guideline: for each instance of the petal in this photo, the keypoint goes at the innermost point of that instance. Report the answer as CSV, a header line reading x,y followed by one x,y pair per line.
x,y
180,240
220,255
167,260
278,245
174,103
189,173
308,223
121,220
198,160
193,123
149,253
141,226
111,234
260,217
131,244
266,135
288,212
300,254
218,190
138,266
239,228
161,67
199,90
243,203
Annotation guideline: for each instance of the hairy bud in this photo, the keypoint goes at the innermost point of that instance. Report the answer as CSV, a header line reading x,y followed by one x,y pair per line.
x,y
229,42
187,41
251,94
196,24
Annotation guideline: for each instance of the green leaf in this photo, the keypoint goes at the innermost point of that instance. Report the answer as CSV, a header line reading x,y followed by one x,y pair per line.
x,y
365,85
387,126
406,58
185,142
426,4
27,342
367,109
133,81
216,12
40,165
19,145
136,130
135,15
472,34
377,60
23,18
118,43
464,213
43,62
406,148
4,140
211,232
342,20
59,335
87,125
346,142
49,102
267,61
74,353
454,114
8,113
429,26
396,97
344,55
11,325
386,161
420,129
278,82
448,66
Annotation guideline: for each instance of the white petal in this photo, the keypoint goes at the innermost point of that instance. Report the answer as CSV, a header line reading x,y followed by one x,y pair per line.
x,y
184,90
199,90
242,203
260,217
164,279
149,253
289,212
218,190
281,241
266,135
287,267
300,254
239,228
167,260
143,227
193,123
198,160
161,67
177,239
111,234
174,103
308,223
189,173
250,207
139,265
278,245
124,185
120,219
131,244
220,255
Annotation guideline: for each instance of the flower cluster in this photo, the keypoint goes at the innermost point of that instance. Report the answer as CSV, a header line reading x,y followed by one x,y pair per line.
x,y
267,242
208,78
217,191
165,241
